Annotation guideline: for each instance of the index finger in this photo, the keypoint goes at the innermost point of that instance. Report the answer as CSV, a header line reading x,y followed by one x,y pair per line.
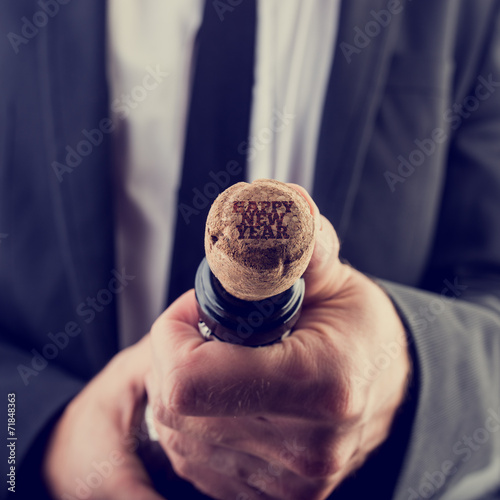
x,y
214,378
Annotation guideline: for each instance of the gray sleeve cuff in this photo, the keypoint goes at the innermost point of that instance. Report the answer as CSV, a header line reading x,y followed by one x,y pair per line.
x,y
454,446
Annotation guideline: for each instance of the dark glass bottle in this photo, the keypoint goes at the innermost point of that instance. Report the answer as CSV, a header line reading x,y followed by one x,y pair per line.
x,y
250,323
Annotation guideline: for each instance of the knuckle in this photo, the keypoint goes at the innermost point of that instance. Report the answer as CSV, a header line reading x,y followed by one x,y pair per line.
x,y
334,402
342,400
221,461
313,468
163,415
337,461
354,403
323,463
303,467
181,466
349,407
179,394
214,433
176,443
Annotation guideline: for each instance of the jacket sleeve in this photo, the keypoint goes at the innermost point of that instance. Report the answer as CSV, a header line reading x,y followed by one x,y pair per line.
x,y
454,444
43,280
454,325
40,394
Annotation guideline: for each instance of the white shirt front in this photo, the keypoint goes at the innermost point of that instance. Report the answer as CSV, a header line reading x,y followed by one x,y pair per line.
x,y
150,53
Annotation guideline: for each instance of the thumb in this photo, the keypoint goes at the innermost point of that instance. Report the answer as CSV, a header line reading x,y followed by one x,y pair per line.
x,y
325,275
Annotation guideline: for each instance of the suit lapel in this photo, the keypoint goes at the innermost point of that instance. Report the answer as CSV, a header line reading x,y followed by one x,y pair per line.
x,y
73,86
354,91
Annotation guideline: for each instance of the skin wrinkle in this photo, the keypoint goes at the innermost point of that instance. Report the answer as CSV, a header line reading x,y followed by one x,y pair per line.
x,y
248,395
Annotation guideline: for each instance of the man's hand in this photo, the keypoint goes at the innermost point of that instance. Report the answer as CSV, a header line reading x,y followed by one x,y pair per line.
x,y
293,419
91,453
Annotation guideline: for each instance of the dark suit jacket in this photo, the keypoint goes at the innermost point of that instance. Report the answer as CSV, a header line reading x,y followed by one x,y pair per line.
x,y
407,170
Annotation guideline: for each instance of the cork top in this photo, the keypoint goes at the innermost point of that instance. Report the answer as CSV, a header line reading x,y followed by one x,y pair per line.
x,y
259,238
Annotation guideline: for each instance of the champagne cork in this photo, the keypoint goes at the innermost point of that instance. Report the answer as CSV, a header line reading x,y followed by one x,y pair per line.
x,y
259,238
